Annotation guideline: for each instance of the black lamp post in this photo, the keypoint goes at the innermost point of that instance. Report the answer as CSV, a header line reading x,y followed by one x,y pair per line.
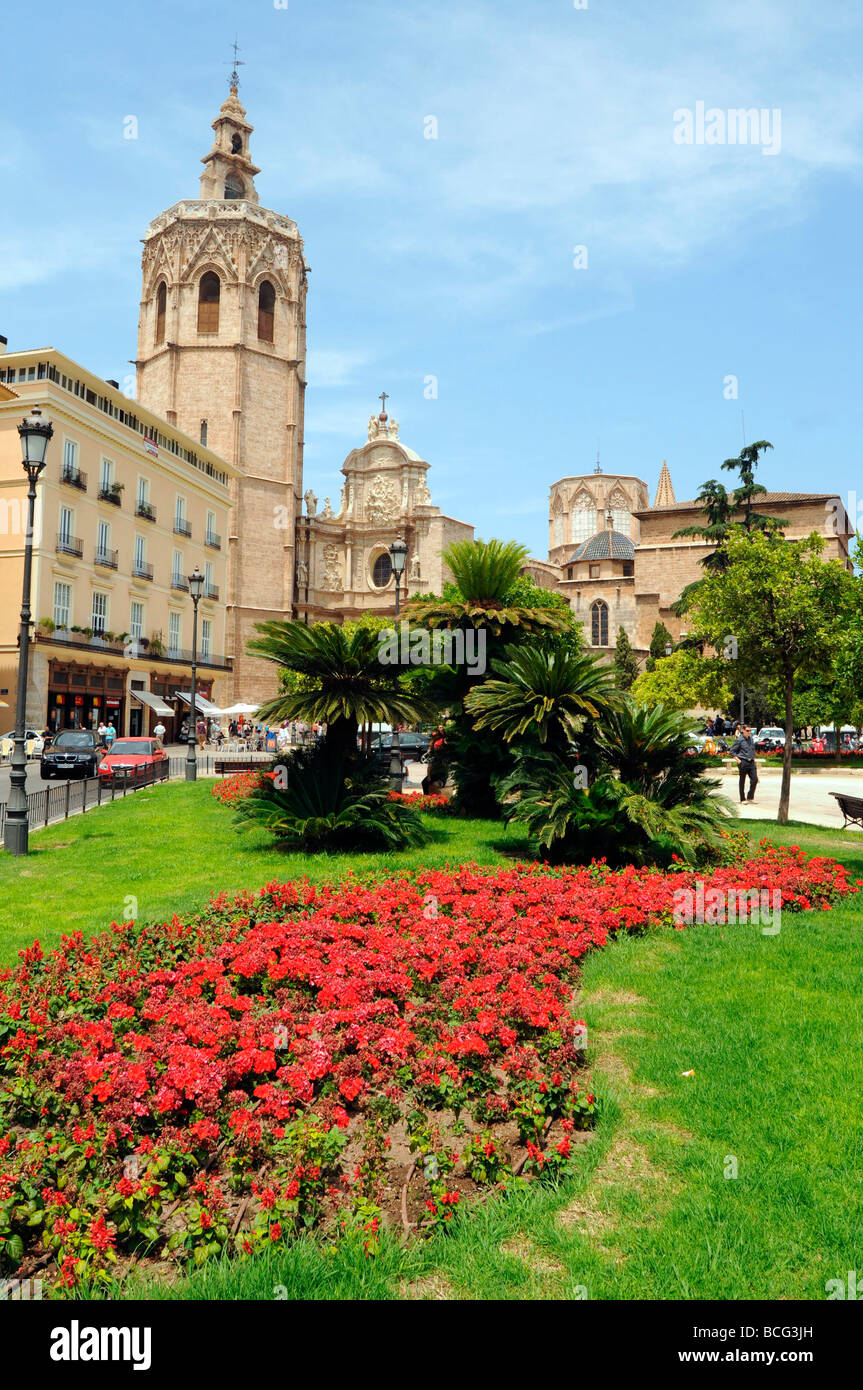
x,y
35,431
196,588
398,556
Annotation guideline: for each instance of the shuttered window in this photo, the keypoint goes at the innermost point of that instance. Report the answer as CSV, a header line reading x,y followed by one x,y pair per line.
x,y
209,292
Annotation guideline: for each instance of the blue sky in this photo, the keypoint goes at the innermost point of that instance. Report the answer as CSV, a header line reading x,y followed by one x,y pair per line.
x,y
453,257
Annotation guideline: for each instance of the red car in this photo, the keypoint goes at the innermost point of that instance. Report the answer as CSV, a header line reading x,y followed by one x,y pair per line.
x,y
135,758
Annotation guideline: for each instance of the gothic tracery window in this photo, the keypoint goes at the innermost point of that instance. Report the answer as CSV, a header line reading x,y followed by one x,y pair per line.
x,y
599,623
583,519
209,294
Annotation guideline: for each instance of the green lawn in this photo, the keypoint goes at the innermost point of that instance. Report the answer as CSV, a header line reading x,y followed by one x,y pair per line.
x,y
170,847
770,1028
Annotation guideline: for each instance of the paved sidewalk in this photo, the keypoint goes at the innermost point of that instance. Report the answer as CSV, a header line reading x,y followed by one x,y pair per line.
x,y
810,797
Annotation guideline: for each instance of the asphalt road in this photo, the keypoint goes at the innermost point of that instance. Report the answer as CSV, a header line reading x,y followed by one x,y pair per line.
x,y
34,781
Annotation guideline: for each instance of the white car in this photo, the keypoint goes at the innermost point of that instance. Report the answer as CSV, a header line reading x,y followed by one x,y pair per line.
x,y
775,735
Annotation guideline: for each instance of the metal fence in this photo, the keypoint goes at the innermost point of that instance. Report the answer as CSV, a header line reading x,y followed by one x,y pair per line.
x,y
51,804
55,803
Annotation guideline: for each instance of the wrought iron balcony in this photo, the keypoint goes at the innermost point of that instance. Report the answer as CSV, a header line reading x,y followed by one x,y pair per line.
x,y
69,545
74,477
106,558
113,493
179,581
182,527
145,510
141,570
213,540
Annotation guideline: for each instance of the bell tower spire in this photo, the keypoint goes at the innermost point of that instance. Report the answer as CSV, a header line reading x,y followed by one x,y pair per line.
x,y
228,171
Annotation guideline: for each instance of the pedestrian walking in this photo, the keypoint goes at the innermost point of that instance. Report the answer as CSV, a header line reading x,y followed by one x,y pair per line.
x,y
101,732
743,749
201,731
110,734
159,731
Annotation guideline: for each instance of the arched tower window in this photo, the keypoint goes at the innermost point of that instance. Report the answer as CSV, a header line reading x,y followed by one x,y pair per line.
x,y
209,292
599,623
236,144
234,187
161,302
266,309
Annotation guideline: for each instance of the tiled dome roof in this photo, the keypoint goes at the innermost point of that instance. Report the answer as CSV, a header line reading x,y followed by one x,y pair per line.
x,y
605,545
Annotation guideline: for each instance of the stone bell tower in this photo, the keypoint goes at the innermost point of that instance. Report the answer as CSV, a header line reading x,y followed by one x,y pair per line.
x,y
221,354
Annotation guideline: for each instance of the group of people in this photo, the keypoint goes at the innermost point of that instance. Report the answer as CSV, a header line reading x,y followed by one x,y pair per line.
x,y
106,733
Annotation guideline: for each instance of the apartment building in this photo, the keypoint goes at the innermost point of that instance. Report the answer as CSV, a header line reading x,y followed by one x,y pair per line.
x,y
127,506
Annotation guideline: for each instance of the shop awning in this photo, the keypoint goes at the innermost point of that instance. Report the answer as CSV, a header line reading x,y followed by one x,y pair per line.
x,y
153,702
202,704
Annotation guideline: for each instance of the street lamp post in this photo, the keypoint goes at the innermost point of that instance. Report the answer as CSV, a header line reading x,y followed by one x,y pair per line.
x,y
35,432
398,556
196,588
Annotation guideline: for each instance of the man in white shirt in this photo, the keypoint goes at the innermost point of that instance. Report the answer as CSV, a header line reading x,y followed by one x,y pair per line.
x,y
159,731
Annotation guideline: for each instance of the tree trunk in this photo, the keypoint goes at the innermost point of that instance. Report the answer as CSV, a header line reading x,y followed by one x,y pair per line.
x,y
785,790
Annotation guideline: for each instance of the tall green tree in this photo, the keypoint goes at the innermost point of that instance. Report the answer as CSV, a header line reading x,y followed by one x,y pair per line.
x,y
660,639
719,507
683,681
784,604
625,661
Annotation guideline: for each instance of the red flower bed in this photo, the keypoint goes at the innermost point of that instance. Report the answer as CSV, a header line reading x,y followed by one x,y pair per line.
x,y
424,801
235,787
345,1054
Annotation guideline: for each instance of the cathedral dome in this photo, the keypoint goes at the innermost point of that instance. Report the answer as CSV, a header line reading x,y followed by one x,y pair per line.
x,y
605,545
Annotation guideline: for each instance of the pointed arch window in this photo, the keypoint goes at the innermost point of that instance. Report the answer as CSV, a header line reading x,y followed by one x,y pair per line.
x,y
161,304
234,187
599,623
583,519
236,143
209,294
266,310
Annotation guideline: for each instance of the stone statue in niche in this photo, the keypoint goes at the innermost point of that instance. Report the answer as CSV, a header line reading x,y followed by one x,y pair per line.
x,y
414,572
423,496
302,574
311,502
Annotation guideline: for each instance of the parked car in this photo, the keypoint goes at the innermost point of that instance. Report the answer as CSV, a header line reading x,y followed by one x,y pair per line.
x,y
769,738
74,753
133,757
412,747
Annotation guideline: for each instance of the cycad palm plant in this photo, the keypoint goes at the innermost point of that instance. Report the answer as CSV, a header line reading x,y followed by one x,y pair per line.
x,y
484,573
543,695
345,683
650,802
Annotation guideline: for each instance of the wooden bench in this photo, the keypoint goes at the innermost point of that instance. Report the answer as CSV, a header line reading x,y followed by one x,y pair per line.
x,y
851,808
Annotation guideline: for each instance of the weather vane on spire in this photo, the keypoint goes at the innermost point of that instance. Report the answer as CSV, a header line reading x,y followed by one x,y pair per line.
x,y
237,63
